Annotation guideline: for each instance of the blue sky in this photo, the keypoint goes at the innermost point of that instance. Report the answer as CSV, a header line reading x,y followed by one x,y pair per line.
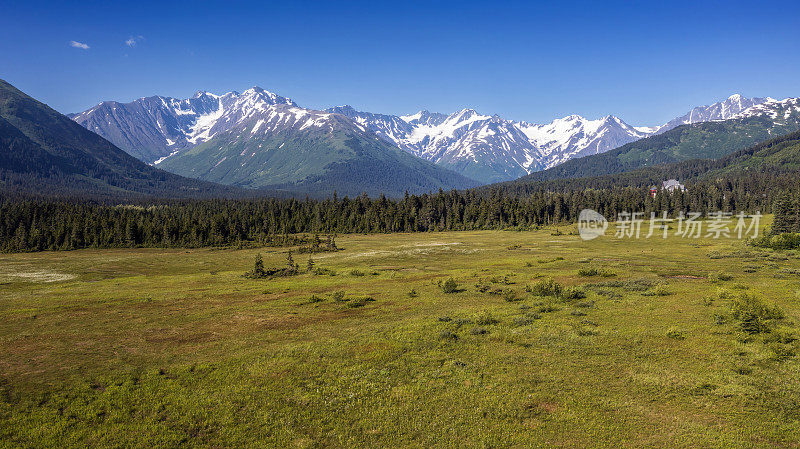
x,y
645,62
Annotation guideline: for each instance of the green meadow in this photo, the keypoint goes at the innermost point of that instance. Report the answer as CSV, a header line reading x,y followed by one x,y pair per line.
x,y
540,340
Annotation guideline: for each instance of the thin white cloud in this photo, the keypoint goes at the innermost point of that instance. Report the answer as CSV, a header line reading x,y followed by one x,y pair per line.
x,y
133,40
80,45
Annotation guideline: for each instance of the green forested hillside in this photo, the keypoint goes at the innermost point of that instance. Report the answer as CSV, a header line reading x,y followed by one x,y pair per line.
x,y
762,168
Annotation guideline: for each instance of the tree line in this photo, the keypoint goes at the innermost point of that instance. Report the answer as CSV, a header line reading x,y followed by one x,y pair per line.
x,y
50,224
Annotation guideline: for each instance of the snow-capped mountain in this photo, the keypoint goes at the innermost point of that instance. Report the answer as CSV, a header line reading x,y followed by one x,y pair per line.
x,y
257,139
153,128
574,136
490,148
487,148
777,110
722,110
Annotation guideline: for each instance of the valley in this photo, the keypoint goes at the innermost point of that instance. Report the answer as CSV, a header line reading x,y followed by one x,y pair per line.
x,y
169,346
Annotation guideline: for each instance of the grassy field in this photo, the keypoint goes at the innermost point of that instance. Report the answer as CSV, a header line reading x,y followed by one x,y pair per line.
x,y
158,348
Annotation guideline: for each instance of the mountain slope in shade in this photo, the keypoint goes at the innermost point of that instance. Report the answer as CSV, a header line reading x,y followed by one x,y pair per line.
x,y
42,151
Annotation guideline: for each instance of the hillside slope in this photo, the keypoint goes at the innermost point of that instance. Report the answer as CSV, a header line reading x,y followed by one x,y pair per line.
x,y
775,161
44,152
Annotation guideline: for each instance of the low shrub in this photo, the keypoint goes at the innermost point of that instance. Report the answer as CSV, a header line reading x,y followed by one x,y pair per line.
x,y
482,286
315,298
547,308
588,272
357,272
676,334
485,318
510,295
413,293
447,335
783,241
754,316
578,312
658,290
450,286
462,321
360,301
478,331
584,332
547,287
573,293
338,296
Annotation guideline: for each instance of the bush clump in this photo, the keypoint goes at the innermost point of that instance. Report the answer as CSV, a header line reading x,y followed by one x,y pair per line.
x,y
485,318
658,290
447,335
784,241
754,316
573,293
676,334
723,277
360,301
510,295
591,271
482,286
526,319
450,286
547,287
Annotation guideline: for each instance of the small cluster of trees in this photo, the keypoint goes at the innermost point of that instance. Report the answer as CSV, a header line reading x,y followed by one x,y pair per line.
x,y
291,268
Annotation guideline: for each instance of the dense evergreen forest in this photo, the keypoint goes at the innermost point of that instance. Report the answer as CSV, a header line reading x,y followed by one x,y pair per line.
x,y
40,224
749,180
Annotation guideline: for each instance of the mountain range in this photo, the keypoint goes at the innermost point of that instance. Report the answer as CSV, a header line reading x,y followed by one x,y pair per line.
x,y
162,130
699,140
305,152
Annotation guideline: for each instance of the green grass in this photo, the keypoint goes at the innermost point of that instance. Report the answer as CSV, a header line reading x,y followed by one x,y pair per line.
x,y
160,348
